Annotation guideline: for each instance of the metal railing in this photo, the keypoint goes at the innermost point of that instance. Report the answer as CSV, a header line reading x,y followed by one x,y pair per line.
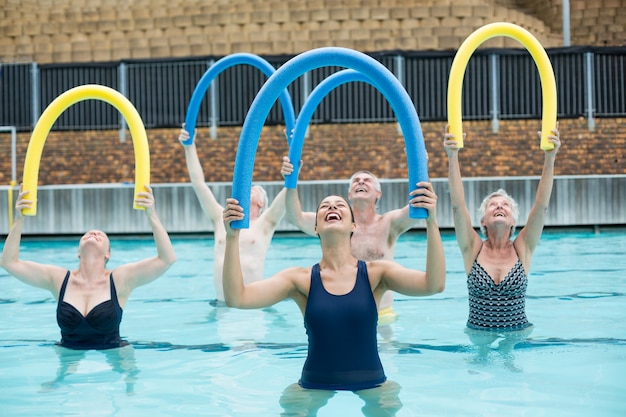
x,y
499,84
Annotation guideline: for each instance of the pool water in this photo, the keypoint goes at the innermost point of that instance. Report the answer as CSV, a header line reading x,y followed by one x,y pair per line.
x,y
188,358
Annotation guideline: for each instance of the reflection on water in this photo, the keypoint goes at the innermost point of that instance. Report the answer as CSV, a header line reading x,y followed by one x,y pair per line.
x,y
382,401
484,339
243,328
197,359
121,360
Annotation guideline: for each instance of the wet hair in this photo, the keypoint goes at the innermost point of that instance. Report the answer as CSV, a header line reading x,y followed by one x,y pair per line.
x,y
263,196
498,193
376,182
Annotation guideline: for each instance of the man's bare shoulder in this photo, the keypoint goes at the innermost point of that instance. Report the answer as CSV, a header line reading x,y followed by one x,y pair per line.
x,y
399,221
263,226
396,214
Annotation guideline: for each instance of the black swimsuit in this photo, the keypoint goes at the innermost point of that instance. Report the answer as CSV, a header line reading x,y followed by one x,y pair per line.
x,y
343,349
99,329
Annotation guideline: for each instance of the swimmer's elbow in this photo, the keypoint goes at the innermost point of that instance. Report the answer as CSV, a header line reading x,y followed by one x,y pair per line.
x,y
232,302
7,264
437,286
230,297
171,260
167,261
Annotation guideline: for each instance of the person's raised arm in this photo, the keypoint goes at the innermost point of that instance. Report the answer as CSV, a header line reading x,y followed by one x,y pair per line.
x,y
466,236
139,273
531,233
305,221
237,294
212,209
32,273
435,258
433,280
276,211
400,219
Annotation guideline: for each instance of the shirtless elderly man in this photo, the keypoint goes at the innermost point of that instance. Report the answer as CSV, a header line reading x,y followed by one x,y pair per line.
x,y
254,241
375,235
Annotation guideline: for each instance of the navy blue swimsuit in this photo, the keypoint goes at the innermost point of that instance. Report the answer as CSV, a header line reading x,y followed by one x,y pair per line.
x,y
343,348
99,329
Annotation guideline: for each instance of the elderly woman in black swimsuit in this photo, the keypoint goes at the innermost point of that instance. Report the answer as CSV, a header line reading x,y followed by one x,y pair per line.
x,y
497,267
90,298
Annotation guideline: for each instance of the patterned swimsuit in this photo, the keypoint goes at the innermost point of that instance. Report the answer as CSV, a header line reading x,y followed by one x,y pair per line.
x,y
497,306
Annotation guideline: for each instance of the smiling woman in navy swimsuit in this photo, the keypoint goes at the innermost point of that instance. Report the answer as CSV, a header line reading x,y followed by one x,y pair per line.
x,y
91,298
337,297
497,268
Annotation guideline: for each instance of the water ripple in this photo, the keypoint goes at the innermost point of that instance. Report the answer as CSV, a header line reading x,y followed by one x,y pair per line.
x,y
299,348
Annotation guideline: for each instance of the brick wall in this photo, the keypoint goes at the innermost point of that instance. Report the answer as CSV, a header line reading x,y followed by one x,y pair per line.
x,y
330,152
63,31
57,31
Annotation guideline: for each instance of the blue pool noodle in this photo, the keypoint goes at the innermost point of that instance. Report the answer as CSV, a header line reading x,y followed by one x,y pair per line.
x,y
386,83
214,70
306,113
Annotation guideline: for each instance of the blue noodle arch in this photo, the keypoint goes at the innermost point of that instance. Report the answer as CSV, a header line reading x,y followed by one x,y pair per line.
x,y
385,82
306,113
214,70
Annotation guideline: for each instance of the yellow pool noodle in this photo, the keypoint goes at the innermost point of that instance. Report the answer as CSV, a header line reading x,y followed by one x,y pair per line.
x,y
58,106
538,53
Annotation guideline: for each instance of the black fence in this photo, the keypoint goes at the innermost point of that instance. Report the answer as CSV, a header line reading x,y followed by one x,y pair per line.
x,y
498,84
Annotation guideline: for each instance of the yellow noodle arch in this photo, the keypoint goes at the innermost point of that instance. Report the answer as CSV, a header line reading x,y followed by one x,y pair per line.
x,y
539,55
52,113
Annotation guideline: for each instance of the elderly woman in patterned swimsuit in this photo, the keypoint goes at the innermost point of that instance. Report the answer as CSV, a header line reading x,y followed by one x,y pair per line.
x,y
497,267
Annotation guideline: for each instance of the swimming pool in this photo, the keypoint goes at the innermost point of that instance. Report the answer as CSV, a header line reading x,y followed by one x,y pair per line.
x,y
188,358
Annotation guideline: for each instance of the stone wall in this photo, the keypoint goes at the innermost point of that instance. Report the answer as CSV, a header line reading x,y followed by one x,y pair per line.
x,y
598,23
65,31
330,152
